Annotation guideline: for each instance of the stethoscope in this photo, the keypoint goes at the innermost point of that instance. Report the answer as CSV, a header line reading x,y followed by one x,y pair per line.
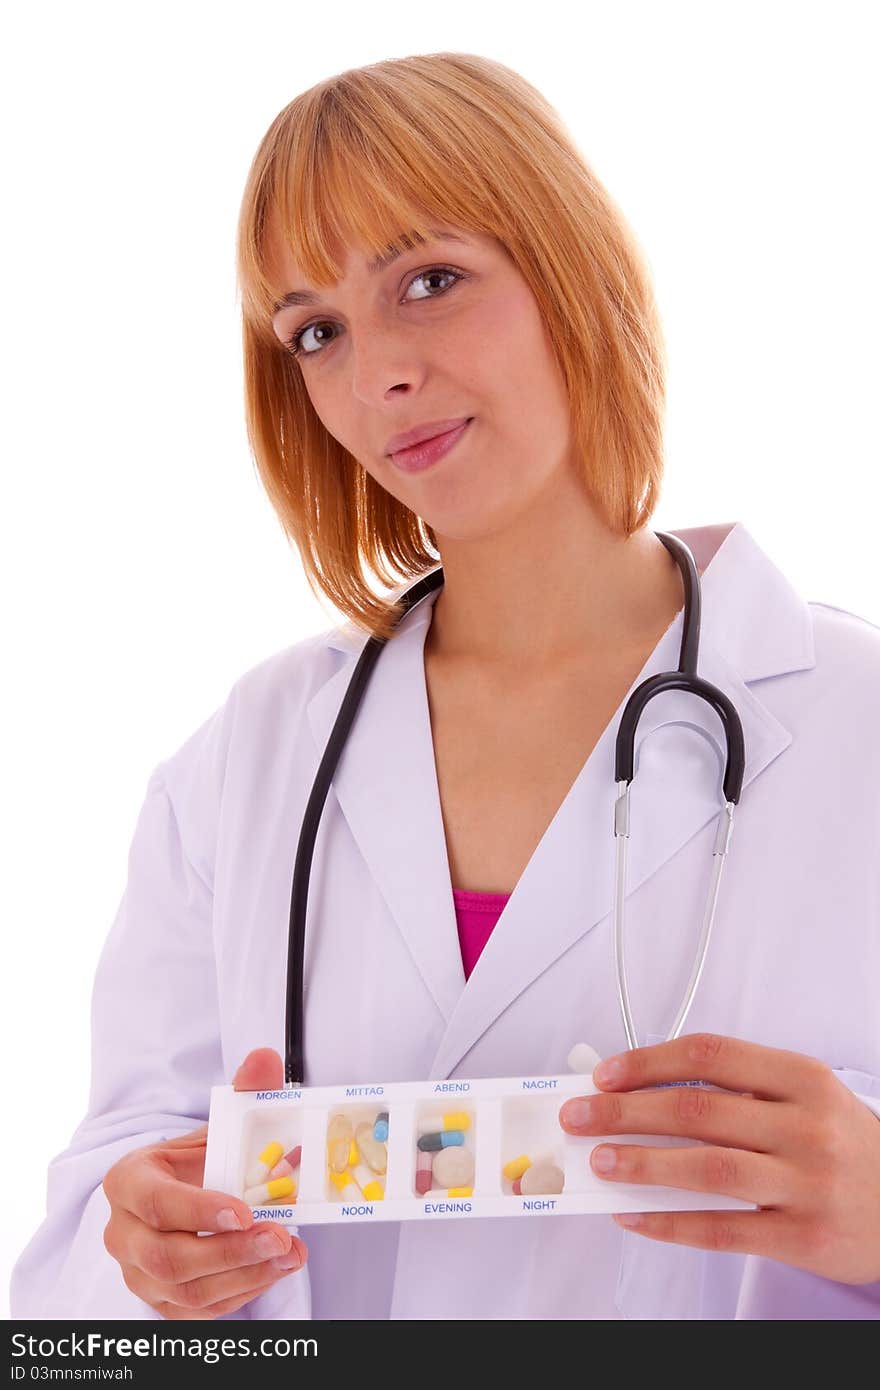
x,y
685,678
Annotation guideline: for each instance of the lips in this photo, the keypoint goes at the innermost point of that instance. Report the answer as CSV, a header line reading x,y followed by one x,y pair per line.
x,y
420,433
418,457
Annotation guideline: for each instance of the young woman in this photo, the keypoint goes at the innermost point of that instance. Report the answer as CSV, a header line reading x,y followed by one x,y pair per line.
x,y
424,254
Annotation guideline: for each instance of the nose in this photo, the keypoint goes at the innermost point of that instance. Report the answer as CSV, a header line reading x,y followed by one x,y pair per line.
x,y
384,364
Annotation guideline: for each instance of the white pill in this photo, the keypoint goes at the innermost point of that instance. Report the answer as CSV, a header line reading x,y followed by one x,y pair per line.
x,y
583,1058
453,1167
541,1177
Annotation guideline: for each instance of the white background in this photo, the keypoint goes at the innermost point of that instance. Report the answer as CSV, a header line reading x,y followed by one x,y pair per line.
x,y
143,570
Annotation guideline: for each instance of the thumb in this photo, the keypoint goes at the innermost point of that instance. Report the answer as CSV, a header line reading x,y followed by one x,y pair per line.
x,y
261,1070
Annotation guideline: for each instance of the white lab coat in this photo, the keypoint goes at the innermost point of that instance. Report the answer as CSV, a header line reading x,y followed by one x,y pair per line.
x,y
192,976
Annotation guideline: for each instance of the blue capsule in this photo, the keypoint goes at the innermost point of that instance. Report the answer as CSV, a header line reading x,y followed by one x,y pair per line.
x,y
380,1127
443,1140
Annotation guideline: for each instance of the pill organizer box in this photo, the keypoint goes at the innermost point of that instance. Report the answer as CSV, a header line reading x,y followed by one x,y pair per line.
x,y
499,1122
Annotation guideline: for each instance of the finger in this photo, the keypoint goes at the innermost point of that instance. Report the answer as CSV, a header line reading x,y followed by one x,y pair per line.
x,y
174,1257
216,1310
141,1184
744,1233
196,1138
261,1070
691,1112
186,1164
769,1072
196,1296
757,1178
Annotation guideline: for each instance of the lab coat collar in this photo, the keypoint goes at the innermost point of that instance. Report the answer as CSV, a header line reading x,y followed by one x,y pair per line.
x,y
755,625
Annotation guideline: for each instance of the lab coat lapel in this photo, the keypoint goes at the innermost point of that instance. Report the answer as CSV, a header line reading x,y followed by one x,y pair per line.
x,y
754,625
386,786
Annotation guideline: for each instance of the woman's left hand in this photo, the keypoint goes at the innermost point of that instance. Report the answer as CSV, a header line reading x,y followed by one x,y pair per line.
x,y
792,1139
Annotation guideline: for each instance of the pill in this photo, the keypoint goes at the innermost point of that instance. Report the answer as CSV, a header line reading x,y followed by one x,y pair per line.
x,y
277,1189
339,1137
368,1183
282,1169
443,1140
544,1176
288,1164
373,1151
453,1167
460,1192
380,1127
458,1119
583,1059
353,1155
265,1163
345,1185
517,1186
516,1167
424,1172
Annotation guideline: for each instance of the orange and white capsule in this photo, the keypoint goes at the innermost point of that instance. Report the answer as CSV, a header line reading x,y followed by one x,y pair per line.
x,y
276,1190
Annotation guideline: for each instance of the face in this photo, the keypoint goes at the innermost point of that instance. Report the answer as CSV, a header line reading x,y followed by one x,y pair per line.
x,y
447,332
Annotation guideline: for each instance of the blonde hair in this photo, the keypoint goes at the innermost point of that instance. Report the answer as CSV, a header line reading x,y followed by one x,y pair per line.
x,y
370,153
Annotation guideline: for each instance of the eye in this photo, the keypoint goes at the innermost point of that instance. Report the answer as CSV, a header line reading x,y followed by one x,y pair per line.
x,y
295,343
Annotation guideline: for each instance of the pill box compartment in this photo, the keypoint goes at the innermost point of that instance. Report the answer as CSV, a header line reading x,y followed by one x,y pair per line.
x,y
530,1130
263,1126
357,1115
423,1178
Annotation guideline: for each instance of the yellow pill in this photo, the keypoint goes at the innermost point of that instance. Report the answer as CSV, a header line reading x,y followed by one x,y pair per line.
x,y
371,1149
274,1190
265,1163
433,1124
339,1140
368,1183
516,1167
353,1155
460,1192
345,1184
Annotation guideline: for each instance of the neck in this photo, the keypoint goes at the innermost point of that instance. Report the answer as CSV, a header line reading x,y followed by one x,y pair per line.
x,y
557,584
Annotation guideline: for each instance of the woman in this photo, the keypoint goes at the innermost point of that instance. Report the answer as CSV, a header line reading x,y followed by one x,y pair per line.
x,y
423,251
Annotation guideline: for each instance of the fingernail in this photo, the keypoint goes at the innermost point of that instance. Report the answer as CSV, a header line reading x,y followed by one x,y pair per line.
x,y
576,1113
608,1073
228,1220
291,1260
629,1218
268,1243
604,1159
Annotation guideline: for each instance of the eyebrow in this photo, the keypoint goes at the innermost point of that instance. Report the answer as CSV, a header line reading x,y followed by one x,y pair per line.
x,y
410,241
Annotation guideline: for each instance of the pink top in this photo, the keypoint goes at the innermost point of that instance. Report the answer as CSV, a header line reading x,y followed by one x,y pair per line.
x,y
476,915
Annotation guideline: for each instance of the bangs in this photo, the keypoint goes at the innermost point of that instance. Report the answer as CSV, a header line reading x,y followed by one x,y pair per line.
x,y
328,184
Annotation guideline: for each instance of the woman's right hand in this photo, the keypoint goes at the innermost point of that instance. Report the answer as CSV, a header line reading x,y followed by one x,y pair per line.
x,y
158,1204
